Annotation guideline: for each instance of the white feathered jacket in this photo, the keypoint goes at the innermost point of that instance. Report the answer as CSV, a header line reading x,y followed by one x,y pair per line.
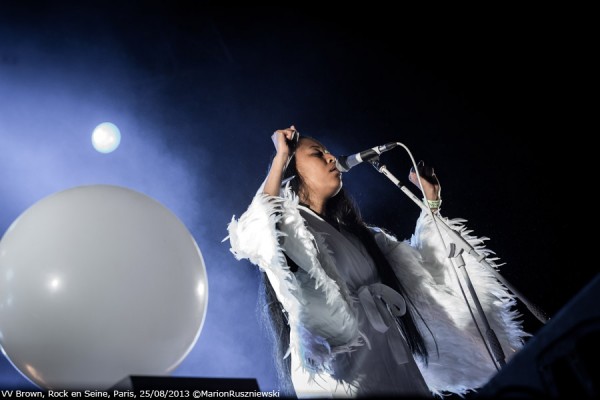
x,y
459,362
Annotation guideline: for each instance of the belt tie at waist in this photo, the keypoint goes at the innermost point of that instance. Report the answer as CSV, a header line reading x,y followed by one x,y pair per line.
x,y
382,304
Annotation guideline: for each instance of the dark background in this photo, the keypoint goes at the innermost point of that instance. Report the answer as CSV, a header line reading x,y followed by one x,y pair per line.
x,y
492,98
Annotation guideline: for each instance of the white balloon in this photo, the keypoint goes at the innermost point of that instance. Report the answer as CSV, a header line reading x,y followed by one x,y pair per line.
x,y
98,283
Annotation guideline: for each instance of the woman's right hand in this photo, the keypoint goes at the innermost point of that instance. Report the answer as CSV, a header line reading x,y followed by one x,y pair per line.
x,y
280,139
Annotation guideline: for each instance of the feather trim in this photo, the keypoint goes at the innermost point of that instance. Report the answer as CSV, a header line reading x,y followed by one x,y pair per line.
x,y
461,362
257,236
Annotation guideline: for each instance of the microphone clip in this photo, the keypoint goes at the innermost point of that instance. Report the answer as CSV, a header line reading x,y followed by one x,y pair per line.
x,y
375,162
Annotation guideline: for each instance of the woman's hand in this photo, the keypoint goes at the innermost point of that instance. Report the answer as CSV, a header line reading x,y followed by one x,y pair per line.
x,y
280,139
429,181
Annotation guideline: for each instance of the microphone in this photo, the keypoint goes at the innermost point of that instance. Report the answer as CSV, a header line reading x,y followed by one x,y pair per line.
x,y
344,163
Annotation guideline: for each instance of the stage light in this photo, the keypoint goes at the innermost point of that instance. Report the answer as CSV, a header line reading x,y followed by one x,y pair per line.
x,y
106,137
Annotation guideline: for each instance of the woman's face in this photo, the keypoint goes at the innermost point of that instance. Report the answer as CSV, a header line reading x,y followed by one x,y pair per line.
x,y
316,166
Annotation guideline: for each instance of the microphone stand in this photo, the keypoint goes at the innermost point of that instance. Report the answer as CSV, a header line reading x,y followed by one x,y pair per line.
x,y
457,246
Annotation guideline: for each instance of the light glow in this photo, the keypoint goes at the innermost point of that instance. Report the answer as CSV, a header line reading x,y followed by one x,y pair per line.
x,y
106,137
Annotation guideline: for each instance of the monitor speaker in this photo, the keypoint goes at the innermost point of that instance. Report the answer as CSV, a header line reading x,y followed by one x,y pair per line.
x,y
558,361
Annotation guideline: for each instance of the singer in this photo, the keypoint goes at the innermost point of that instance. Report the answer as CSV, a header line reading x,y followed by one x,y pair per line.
x,y
354,311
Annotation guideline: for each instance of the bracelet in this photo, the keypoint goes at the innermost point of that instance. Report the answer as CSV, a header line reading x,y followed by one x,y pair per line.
x,y
434,204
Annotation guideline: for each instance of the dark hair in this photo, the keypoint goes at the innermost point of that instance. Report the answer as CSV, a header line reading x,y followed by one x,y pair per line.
x,y
343,209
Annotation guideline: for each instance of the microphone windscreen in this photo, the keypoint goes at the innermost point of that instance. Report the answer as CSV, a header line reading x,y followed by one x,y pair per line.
x,y
341,164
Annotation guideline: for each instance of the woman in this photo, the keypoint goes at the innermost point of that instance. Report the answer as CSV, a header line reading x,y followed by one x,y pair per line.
x,y
358,312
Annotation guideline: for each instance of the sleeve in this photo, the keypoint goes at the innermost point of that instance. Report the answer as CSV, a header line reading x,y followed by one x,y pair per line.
x,y
458,358
320,314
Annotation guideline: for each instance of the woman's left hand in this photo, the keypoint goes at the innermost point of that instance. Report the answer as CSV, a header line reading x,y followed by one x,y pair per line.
x,y
429,181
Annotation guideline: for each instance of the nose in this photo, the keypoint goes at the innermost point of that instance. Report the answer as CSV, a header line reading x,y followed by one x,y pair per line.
x,y
330,158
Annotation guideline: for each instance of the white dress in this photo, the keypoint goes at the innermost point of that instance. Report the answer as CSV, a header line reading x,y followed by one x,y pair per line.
x,y
340,343
373,368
